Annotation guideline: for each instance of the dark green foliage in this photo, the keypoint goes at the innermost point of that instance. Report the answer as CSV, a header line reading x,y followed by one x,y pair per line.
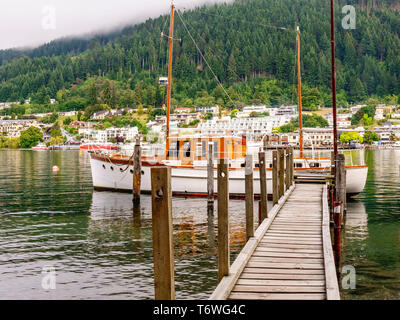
x,y
243,44
358,116
370,136
313,121
31,137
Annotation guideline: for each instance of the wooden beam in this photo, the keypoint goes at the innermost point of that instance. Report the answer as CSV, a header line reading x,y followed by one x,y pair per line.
x,y
275,169
163,249
332,287
137,173
249,190
223,219
210,179
263,187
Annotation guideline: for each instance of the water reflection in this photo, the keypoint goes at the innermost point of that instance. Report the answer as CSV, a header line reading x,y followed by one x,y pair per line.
x,y
372,232
194,239
102,248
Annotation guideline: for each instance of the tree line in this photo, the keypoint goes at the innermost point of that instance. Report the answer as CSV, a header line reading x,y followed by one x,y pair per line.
x,y
250,46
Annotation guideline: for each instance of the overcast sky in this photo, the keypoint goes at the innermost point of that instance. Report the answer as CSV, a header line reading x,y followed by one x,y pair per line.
x,y
34,22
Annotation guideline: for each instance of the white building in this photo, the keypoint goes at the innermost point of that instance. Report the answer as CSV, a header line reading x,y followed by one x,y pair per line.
x,y
208,109
250,126
247,111
13,128
104,136
68,113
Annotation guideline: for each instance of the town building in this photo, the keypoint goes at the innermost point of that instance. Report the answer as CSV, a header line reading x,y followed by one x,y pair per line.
x,y
109,134
208,109
83,124
68,114
178,119
13,128
255,127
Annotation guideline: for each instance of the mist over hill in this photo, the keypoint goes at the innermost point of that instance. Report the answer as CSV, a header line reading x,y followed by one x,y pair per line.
x,y
250,45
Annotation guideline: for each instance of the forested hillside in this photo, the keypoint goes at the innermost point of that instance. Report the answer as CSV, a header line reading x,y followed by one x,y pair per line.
x,y
250,44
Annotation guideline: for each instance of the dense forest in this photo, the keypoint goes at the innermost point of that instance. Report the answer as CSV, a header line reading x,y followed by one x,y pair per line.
x,y
250,45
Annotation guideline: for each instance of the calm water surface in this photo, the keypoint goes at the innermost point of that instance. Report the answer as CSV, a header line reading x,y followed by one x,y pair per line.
x,y
101,249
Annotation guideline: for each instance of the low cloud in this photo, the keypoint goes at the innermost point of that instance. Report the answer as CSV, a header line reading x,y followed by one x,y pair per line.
x,y
27,23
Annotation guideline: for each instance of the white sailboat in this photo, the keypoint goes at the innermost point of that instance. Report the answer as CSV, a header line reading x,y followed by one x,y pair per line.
x,y
186,155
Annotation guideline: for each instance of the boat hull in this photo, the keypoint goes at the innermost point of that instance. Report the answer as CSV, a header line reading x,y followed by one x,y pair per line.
x,y
114,176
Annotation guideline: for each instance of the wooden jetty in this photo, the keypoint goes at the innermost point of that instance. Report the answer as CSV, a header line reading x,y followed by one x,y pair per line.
x,y
290,256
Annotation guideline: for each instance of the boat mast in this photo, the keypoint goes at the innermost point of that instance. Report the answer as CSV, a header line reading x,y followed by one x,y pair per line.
x,y
171,47
299,93
335,146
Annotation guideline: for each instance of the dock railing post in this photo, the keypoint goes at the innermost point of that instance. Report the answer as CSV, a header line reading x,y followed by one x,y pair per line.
x,y
249,190
223,219
263,187
137,173
275,187
210,180
291,166
163,249
341,182
281,172
287,169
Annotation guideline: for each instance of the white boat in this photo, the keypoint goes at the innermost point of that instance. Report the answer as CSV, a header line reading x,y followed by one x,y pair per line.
x,y
186,156
189,168
40,147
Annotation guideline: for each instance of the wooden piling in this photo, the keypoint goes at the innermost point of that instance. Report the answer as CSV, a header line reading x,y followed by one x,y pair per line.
x,y
291,166
287,169
163,249
263,187
249,190
210,180
341,182
137,173
275,169
223,219
281,172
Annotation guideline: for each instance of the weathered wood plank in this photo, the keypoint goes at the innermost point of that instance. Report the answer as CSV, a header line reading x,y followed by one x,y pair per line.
x,y
271,265
279,289
276,296
288,250
282,276
286,260
332,287
260,253
257,282
261,271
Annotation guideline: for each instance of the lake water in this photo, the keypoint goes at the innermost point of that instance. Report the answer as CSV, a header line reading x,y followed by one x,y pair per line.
x,y
101,249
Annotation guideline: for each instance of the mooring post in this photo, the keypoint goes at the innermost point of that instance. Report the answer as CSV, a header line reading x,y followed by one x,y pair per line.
x,y
265,145
275,187
341,182
210,180
163,249
249,190
223,219
287,168
291,165
263,187
137,173
281,172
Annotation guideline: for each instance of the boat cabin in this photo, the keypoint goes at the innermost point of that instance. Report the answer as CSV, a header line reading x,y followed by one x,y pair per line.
x,y
190,149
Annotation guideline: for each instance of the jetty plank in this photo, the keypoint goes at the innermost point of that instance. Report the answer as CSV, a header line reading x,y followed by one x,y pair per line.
x,y
290,256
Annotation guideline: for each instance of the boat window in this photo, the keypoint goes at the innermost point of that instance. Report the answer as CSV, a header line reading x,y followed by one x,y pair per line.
x,y
173,149
314,165
298,165
186,149
216,152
